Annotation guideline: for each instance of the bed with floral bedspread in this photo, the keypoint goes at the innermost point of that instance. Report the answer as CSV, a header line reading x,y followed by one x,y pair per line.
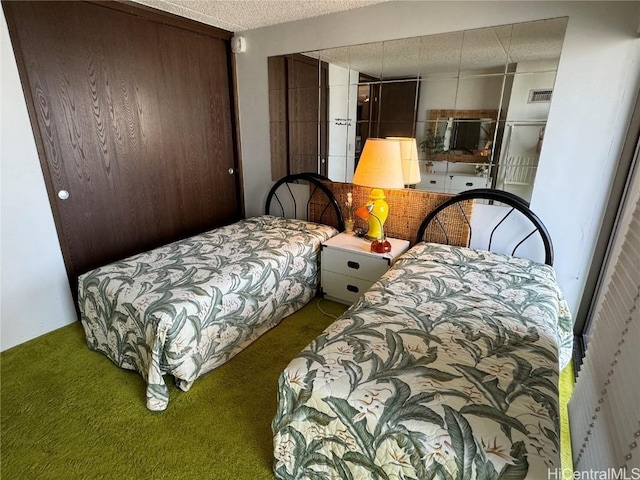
x,y
186,308
446,368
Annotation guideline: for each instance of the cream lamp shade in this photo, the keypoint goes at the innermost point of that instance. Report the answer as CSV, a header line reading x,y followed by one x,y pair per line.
x,y
410,163
380,166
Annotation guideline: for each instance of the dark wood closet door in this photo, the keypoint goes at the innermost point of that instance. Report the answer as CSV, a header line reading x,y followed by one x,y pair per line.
x,y
307,114
133,118
397,109
298,105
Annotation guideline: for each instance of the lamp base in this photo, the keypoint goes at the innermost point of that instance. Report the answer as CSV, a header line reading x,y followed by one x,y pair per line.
x,y
379,210
380,246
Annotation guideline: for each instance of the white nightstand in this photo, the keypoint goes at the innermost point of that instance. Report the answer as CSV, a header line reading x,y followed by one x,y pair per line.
x,y
349,268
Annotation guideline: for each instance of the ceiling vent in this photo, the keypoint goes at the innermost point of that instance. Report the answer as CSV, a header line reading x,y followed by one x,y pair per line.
x,y
540,96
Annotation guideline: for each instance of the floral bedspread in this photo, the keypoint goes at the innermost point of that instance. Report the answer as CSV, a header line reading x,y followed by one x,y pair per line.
x,y
446,368
186,308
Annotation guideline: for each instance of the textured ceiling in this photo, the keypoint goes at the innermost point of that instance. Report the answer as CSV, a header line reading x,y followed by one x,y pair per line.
x,y
240,15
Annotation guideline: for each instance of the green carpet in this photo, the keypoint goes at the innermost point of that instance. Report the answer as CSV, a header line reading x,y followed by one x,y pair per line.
x,y
69,413
566,389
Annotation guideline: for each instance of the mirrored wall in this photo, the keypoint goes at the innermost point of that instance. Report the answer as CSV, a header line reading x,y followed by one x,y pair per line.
x,y
476,101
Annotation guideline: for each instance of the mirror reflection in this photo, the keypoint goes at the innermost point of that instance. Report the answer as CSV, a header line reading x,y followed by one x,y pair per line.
x,y
476,102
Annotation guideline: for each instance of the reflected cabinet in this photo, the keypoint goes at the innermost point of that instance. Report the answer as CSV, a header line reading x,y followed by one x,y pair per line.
x,y
297,112
476,101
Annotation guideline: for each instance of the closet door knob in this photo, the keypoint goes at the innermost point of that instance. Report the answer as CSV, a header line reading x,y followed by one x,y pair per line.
x,y
63,194
231,171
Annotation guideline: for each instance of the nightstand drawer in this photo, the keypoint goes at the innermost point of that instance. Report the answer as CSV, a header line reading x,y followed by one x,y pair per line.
x,y
433,183
363,266
460,183
349,267
342,288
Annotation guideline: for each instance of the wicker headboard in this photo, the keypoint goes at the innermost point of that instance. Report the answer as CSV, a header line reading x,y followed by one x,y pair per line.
x,y
407,209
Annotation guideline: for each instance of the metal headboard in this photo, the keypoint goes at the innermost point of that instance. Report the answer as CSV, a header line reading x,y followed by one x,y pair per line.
x,y
276,202
516,203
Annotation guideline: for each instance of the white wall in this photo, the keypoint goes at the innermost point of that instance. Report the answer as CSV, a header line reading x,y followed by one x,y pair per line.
x,y
597,81
35,297
530,76
521,140
343,104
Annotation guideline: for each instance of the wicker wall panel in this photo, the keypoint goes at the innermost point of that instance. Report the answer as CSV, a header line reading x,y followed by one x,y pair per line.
x,y
407,209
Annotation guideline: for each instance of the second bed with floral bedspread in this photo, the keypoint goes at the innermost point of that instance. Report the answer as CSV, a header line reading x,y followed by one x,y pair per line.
x,y
185,308
446,368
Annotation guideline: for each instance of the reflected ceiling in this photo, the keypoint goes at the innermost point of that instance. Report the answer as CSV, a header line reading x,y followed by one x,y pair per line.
x,y
486,48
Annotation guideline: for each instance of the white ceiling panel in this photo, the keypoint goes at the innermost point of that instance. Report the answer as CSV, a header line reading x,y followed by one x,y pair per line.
x,y
240,15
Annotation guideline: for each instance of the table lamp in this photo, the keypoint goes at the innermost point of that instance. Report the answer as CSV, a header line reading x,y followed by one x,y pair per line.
x,y
380,166
381,244
410,163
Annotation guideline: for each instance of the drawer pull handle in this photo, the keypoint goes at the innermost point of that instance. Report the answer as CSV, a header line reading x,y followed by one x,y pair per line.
x,y
469,184
352,288
432,182
354,265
